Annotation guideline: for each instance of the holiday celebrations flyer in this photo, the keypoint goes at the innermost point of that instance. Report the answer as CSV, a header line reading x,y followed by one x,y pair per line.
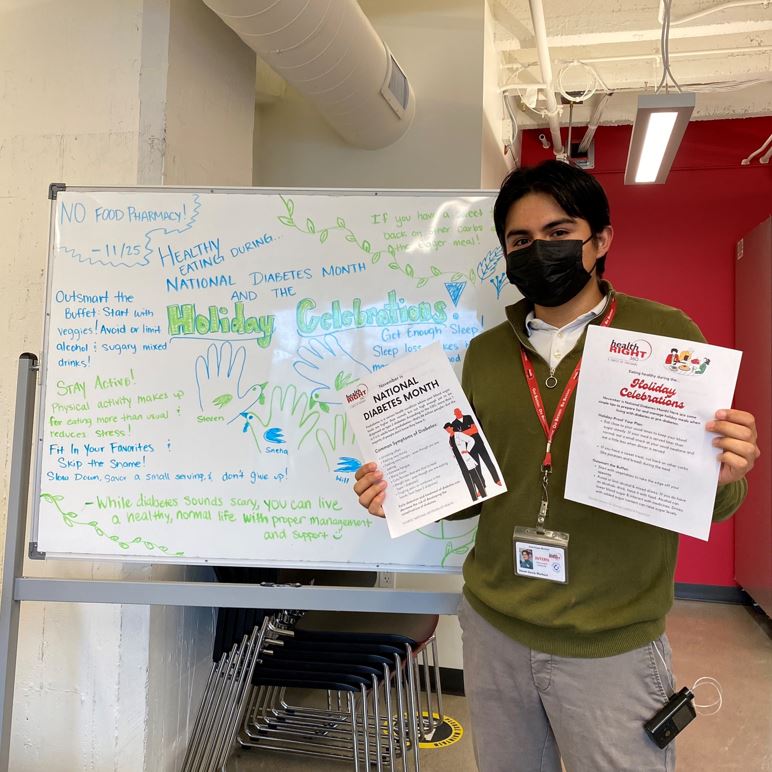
x,y
639,447
414,420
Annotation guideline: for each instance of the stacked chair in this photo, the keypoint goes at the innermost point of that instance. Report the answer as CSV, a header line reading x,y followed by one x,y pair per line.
x,y
361,688
370,709
223,703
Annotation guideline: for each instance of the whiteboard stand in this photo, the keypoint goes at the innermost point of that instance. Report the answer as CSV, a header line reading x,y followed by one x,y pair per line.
x,y
17,588
15,527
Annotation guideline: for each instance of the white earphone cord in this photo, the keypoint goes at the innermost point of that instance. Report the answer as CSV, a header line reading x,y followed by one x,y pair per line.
x,y
702,681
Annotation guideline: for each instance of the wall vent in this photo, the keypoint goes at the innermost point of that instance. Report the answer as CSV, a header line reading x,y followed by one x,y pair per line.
x,y
397,90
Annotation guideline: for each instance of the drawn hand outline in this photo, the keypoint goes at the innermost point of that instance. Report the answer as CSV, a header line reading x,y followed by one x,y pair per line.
x,y
456,543
340,441
326,364
285,409
218,380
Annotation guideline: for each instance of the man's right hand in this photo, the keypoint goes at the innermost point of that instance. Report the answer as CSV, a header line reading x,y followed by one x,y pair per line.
x,y
370,487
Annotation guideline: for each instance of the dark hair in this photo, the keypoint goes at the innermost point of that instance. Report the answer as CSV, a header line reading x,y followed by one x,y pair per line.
x,y
448,425
575,191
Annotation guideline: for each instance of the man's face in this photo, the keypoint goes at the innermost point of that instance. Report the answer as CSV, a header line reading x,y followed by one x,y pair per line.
x,y
538,216
449,429
457,412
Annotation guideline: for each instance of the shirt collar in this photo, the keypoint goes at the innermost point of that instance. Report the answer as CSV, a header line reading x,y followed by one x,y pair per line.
x,y
517,312
532,323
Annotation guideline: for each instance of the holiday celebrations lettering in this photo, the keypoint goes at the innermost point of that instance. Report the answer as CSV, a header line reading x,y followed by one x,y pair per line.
x,y
651,391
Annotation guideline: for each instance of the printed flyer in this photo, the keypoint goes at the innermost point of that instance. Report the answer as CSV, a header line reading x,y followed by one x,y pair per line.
x,y
639,447
414,420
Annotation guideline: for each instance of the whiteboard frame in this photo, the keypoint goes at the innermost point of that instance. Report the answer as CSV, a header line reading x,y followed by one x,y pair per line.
x,y
56,188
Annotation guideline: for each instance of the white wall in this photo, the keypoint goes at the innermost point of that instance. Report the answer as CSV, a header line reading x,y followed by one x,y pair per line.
x,y
83,89
210,100
493,164
439,45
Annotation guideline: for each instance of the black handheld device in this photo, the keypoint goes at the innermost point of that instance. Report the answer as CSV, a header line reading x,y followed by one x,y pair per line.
x,y
672,719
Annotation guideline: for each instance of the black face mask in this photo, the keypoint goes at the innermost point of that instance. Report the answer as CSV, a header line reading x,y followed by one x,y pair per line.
x,y
548,273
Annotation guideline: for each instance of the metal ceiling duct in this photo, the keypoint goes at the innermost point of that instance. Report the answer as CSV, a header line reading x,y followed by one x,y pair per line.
x,y
329,51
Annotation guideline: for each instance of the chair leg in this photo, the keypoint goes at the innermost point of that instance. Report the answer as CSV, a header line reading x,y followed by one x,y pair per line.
x,y
365,728
353,714
389,714
211,710
230,699
437,683
412,693
243,691
193,738
431,722
213,738
399,675
377,723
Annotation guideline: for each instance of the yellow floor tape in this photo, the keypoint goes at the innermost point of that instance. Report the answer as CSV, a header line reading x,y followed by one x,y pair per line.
x,y
449,732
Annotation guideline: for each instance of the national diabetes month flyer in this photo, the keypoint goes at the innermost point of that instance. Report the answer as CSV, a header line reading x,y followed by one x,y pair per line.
x,y
639,447
413,419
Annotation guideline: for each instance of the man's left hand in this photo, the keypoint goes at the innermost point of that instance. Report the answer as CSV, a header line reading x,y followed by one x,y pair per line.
x,y
737,437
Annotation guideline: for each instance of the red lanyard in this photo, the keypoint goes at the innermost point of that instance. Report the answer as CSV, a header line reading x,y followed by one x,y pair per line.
x,y
538,403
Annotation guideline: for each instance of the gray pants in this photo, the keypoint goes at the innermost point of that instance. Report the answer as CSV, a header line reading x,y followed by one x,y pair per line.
x,y
529,709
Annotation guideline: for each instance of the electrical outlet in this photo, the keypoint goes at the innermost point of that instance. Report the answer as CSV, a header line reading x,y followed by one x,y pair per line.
x,y
387,579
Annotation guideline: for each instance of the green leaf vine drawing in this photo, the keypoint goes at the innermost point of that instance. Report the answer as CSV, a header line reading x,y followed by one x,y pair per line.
x,y
456,544
71,519
390,255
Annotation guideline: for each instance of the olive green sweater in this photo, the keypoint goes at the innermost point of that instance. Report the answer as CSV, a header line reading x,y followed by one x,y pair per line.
x,y
620,570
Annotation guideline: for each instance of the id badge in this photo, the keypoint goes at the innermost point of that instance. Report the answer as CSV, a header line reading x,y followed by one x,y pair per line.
x,y
541,555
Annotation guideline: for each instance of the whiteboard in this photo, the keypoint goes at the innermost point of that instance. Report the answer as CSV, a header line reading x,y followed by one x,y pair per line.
x,y
197,345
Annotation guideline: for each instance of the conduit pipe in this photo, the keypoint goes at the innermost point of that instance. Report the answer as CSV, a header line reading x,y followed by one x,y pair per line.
x,y
593,123
643,57
765,158
330,52
708,11
543,54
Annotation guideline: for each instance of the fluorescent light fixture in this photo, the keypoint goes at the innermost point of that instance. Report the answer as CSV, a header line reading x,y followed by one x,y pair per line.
x,y
659,126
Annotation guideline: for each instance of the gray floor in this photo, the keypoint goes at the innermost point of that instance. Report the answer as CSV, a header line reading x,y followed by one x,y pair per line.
x,y
730,643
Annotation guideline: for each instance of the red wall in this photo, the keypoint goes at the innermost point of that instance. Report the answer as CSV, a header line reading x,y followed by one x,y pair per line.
x,y
675,243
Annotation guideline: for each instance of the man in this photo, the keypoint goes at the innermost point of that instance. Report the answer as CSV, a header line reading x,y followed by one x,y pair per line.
x,y
572,669
526,558
465,423
461,445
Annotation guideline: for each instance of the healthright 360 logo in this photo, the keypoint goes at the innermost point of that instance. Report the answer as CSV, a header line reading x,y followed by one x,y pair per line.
x,y
636,350
357,395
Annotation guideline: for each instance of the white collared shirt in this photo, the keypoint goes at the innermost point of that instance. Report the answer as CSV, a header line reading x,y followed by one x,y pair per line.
x,y
465,443
553,343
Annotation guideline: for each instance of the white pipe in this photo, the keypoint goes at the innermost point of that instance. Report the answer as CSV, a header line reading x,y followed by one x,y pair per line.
x,y
746,161
542,51
521,86
680,54
330,52
593,123
716,9
643,57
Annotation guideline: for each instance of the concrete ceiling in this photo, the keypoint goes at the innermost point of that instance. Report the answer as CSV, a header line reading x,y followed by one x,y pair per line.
x,y
725,55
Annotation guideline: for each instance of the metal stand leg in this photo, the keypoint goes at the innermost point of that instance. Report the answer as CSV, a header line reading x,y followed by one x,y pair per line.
x,y
14,542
